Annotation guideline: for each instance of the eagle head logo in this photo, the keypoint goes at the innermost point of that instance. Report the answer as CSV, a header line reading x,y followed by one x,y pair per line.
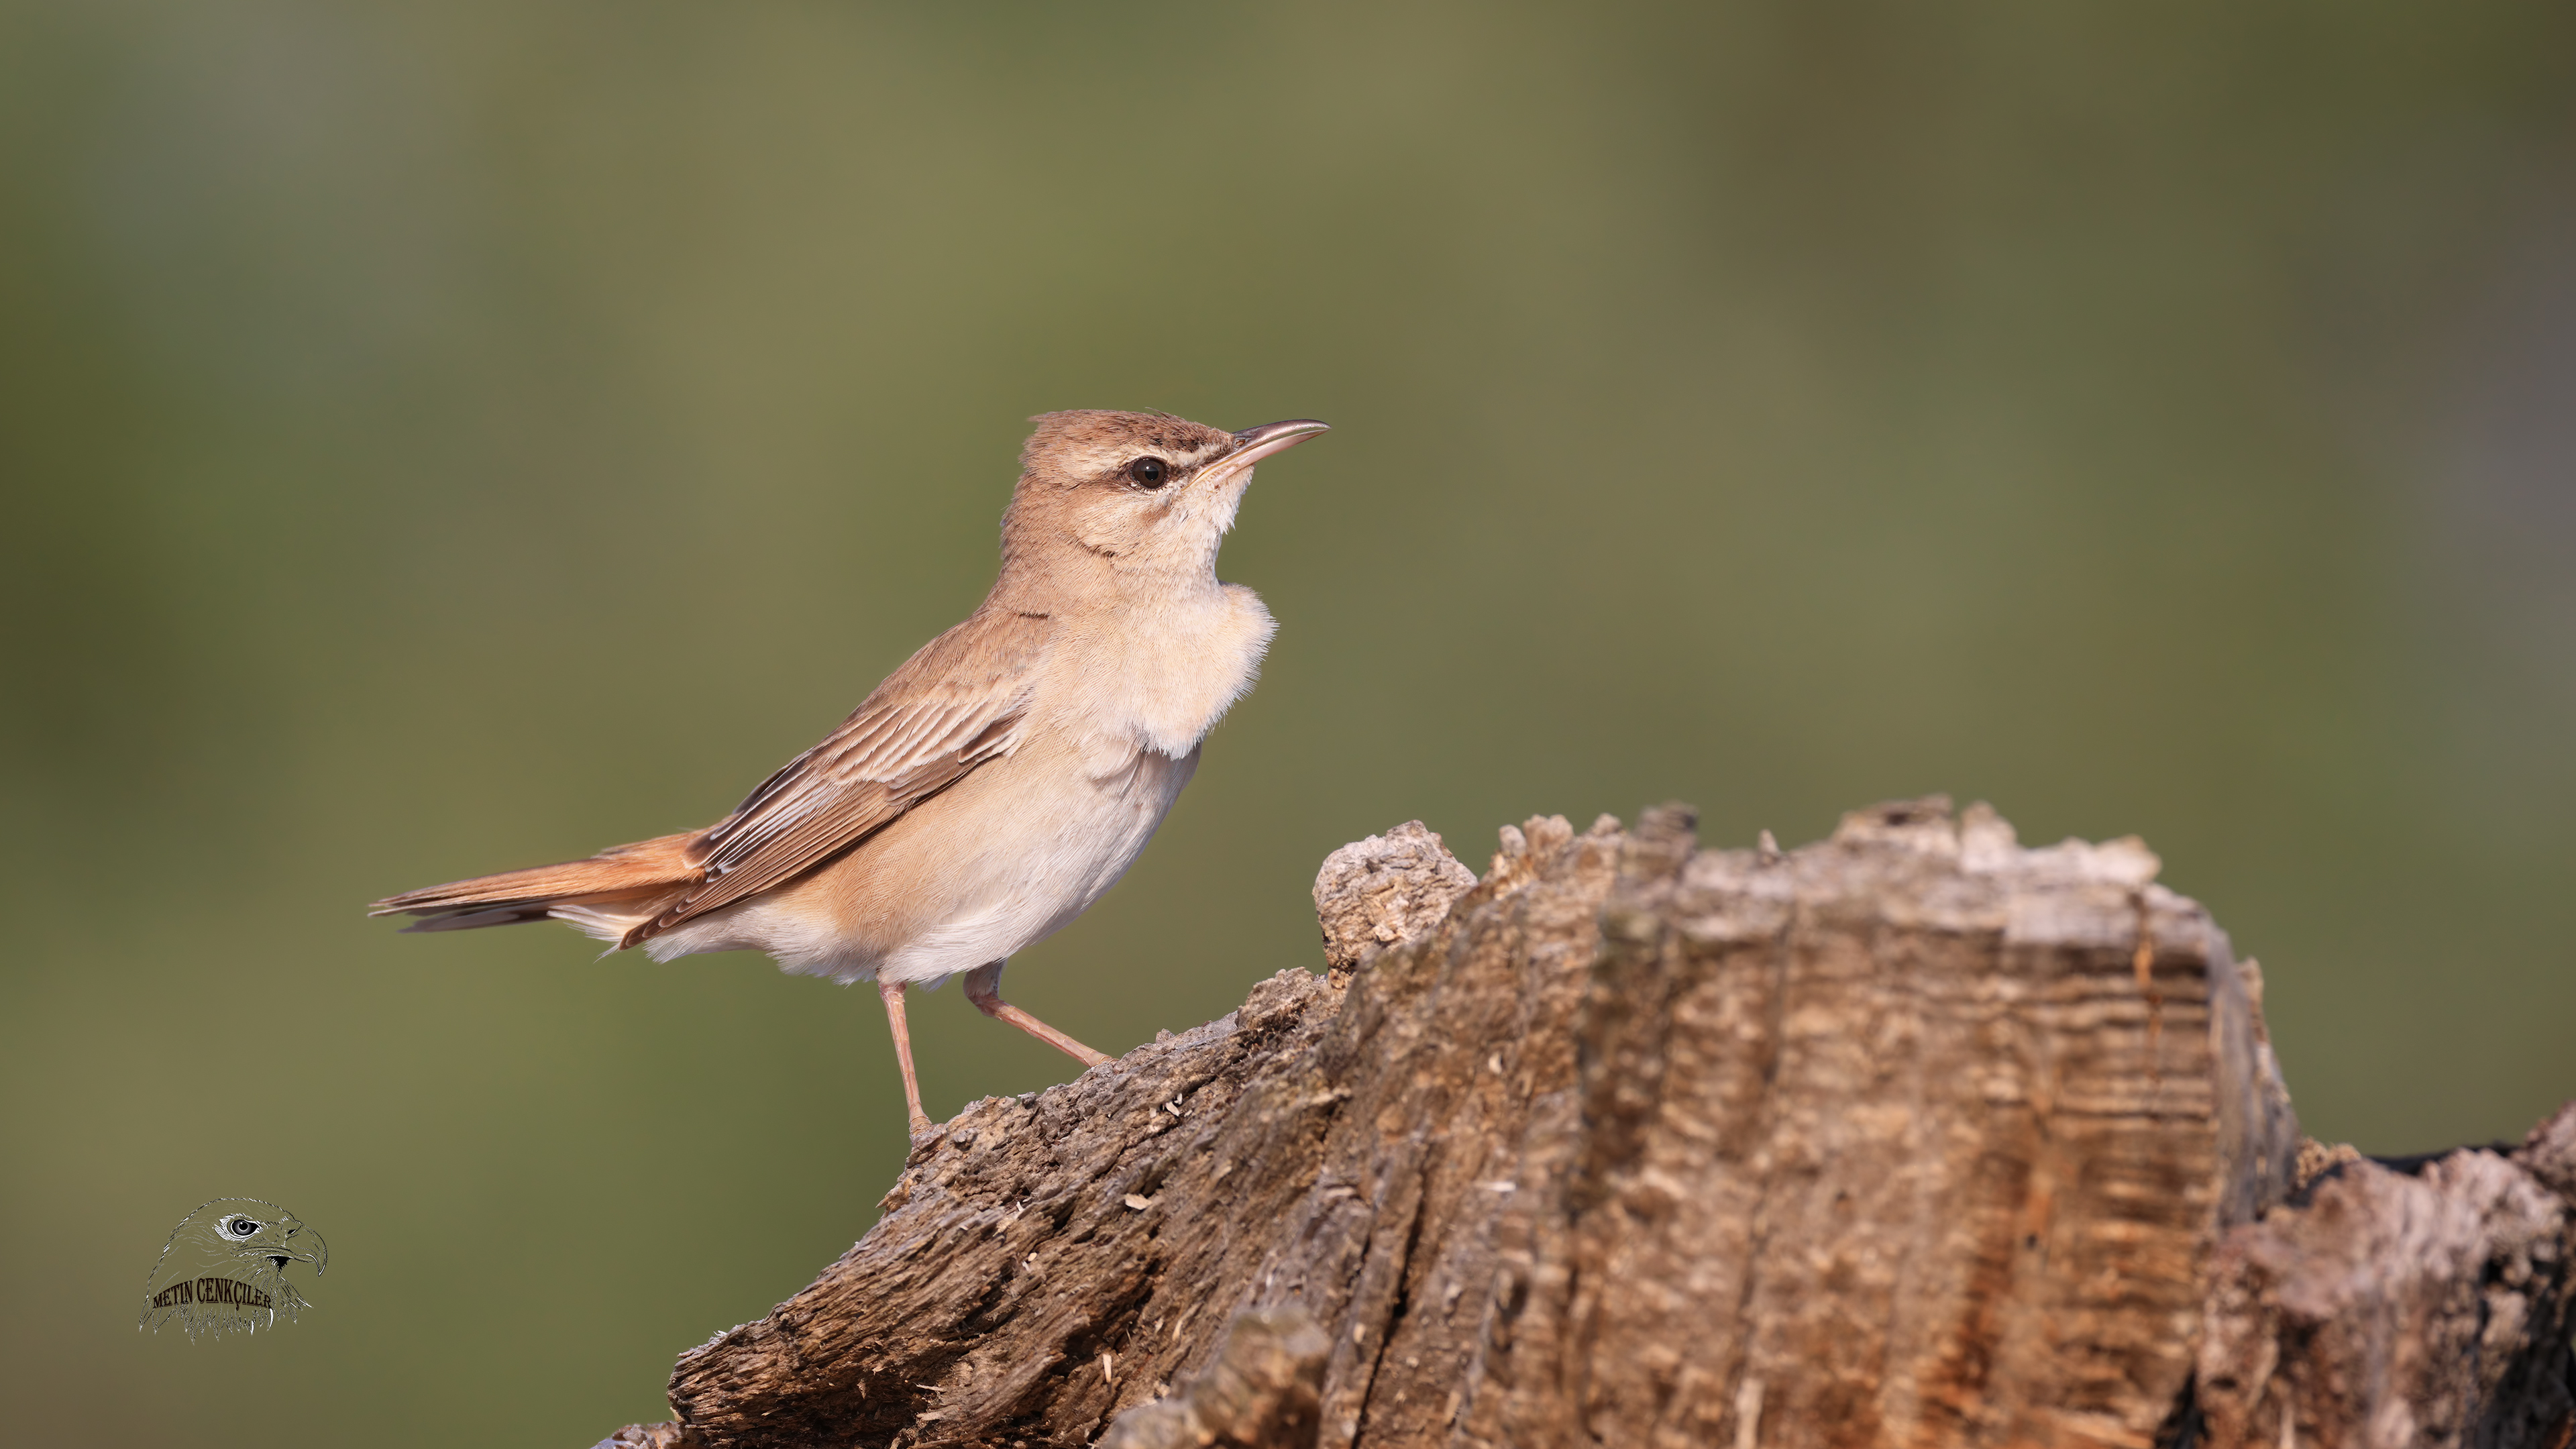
x,y
224,1269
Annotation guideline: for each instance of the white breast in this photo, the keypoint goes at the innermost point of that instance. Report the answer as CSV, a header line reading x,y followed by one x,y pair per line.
x,y
1160,678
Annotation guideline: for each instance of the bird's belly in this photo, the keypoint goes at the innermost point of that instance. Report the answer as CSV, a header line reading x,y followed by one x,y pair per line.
x,y
1007,857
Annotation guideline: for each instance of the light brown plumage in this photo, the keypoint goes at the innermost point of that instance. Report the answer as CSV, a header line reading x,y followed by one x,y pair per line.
x,y
991,788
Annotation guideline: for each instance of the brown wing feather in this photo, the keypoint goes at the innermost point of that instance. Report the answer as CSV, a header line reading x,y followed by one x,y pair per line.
x,y
954,705
951,707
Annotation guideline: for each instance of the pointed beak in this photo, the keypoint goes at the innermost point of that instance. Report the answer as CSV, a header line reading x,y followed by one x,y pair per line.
x,y
1258,443
303,1245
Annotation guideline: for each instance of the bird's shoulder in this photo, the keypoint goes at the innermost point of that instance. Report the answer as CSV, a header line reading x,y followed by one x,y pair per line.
x,y
990,658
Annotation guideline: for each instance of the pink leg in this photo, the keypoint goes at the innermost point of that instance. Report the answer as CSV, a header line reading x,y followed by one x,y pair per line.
x,y
984,988
892,991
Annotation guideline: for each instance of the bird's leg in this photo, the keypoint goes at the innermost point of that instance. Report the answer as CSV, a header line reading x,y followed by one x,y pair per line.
x,y
892,991
984,988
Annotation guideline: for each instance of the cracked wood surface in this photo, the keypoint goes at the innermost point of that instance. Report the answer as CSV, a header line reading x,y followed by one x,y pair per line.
x,y
1913,1136
2415,1305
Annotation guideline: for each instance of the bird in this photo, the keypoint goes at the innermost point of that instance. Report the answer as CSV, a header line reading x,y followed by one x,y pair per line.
x,y
224,1268
995,785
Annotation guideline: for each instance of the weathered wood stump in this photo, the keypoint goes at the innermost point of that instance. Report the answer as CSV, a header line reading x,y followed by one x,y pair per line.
x,y
1913,1136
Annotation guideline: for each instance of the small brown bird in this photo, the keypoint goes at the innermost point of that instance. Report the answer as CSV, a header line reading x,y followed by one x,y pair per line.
x,y
1000,781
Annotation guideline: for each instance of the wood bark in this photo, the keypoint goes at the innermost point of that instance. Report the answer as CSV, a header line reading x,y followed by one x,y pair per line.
x,y
1914,1136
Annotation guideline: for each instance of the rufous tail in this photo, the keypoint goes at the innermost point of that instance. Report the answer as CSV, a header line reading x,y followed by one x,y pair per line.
x,y
625,881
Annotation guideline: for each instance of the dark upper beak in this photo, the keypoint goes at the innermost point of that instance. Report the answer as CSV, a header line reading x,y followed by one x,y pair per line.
x,y
1259,443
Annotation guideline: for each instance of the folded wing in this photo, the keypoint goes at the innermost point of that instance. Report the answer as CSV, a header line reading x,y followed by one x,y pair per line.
x,y
955,705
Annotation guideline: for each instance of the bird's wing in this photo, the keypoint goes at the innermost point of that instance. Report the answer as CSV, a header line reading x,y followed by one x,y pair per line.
x,y
955,705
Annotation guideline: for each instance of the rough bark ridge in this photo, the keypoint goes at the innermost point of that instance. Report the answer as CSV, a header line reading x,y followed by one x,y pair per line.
x,y
1913,1136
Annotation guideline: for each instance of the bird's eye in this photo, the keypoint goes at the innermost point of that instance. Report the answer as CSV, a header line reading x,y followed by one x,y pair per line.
x,y
1149,472
241,1227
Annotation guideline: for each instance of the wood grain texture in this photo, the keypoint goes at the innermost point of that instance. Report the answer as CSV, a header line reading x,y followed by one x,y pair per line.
x,y
1913,1136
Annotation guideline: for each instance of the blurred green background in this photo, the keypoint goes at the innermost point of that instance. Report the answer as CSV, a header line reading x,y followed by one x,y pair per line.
x,y
444,438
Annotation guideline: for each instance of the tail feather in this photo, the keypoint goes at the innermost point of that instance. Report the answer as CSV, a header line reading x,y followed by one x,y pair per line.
x,y
634,876
467,918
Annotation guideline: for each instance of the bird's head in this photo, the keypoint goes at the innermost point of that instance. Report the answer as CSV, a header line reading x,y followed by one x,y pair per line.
x,y
1132,497
259,1236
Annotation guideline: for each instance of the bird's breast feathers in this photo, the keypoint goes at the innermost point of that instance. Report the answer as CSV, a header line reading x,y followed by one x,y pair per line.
x,y
1160,678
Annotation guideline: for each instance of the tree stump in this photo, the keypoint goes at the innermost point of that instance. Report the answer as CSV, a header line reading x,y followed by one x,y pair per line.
x,y
1914,1136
